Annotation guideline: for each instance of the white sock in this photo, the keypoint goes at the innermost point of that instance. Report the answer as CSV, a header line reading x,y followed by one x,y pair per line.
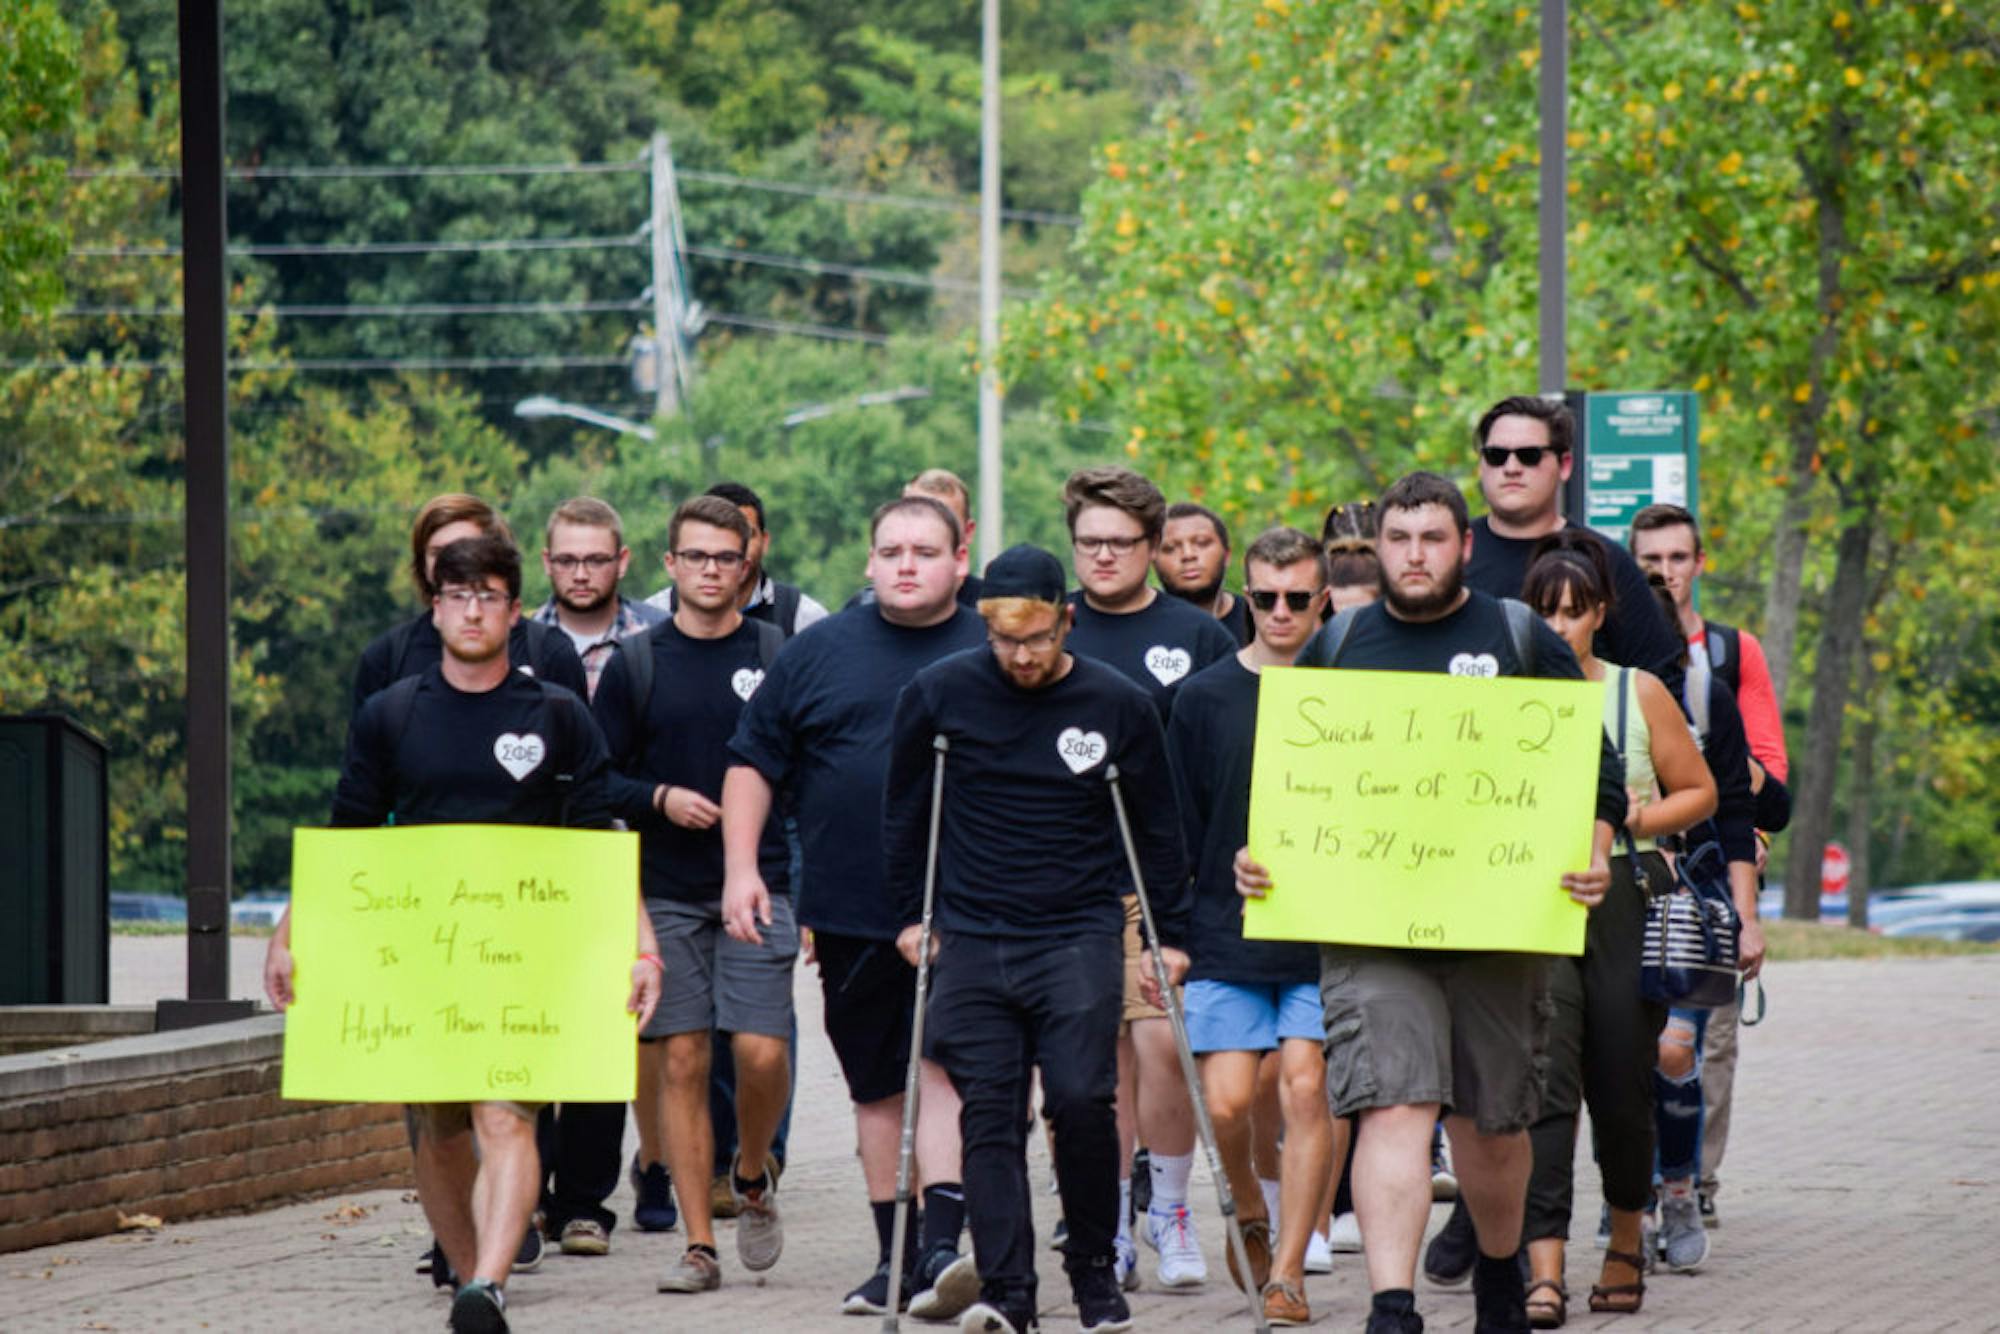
x,y
1125,1210
1170,1180
1270,1189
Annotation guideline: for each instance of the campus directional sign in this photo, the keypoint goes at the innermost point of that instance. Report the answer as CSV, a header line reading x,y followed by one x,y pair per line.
x,y
1638,450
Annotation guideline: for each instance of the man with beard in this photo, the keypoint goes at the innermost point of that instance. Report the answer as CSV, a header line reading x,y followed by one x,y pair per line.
x,y
1411,1032
585,556
1192,560
1030,872
817,731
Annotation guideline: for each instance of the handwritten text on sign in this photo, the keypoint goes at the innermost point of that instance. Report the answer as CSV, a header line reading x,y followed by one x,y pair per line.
x,y
1419,810
455,963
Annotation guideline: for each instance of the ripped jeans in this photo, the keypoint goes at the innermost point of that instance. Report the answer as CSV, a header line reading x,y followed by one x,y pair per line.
x,y
1677,1100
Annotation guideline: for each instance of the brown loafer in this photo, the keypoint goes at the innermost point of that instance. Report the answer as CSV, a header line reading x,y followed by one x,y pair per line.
x,y
1285,1305
1257,1246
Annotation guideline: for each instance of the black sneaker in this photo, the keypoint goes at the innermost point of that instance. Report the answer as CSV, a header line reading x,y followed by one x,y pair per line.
x,y
942,1284
438,1267
1100,1305
1706,1202
1500,1306
872,1297
1060,1237
1448,1259
1391,1322
995,1317
653,1198
1142,1184
529,1257
479,1308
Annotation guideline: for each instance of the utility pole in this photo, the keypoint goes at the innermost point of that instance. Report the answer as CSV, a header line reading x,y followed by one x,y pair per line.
x,y
1553,215
669,296
989,287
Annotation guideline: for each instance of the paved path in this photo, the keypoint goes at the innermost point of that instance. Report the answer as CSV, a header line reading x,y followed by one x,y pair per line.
x,y
1863,1194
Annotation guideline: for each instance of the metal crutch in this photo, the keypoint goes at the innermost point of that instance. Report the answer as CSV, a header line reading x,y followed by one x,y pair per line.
x,y
1173,1004
906,1153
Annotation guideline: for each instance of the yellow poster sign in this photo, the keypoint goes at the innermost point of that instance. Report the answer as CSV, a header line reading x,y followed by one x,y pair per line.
x,y
1424,811
457,963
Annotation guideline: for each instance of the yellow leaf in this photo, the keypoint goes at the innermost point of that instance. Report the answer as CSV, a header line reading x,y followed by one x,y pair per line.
x,y
1672,92
1802,393
1854,77
1731,164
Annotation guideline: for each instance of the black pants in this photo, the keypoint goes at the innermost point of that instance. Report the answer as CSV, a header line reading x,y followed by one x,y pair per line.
x,y
999,1007
1602,1045
581,1145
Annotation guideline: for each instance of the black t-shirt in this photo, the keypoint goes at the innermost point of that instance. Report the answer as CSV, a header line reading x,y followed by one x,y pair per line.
x,y
968,594
1237,620
1727,750
1635,634
1028,844
525,752
1156,647
1454,645
413,647
818,730
1211,739
699,688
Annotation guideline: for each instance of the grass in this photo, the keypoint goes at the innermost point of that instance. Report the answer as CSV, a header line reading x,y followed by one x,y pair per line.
x,y
1789,942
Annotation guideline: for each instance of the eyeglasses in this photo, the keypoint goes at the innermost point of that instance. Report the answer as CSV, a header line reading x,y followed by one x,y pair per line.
x,y
465,597
1117,546
593,562
721,560
1264,599
1530,455
1040,643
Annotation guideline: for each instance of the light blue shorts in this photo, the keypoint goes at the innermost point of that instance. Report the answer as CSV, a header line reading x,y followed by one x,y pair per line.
x,y
1252,1016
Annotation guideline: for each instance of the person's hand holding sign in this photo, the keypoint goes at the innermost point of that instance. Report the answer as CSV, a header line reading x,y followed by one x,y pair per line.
x,y
1587,887
278,964
648,971
1252,880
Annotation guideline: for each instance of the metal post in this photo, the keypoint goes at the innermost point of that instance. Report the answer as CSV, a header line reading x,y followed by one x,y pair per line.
x,y
1554,212
666,284
204,297
990,483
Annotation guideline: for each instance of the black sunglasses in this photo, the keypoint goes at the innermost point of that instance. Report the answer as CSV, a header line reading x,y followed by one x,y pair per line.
x,y
1530,455
1263,599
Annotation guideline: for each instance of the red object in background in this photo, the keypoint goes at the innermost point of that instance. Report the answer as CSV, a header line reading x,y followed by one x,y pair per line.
x,y
1833,868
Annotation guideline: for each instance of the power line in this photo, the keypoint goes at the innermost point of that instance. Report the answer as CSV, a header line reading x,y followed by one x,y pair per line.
x,y
434,308
838,270
827,331
298,249
934,203
335,364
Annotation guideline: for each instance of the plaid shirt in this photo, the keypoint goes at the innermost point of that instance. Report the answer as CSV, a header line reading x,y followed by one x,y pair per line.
x,y
633,617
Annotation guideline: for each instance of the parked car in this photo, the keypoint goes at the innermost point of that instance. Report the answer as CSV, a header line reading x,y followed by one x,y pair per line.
x,y
1982,924
130,906
258,909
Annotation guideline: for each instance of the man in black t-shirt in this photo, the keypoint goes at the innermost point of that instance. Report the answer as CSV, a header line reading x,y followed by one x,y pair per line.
x,y
1030,870
1411,1031
1192,562
1525,456
817,732
473,741
668,703
408,649
1116,518
1249,998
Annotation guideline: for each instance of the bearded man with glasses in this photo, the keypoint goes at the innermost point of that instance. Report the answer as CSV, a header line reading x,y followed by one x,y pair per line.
x,y
585,557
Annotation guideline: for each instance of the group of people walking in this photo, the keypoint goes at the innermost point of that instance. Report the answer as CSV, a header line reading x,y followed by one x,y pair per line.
x,y
1020,800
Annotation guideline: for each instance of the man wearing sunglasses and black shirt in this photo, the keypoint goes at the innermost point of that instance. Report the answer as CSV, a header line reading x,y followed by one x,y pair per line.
x,y
1525,456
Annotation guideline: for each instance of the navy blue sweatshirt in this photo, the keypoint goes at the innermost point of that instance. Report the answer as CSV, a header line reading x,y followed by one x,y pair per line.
x,y
1029,844
1636,633
699,689
525,752
1156,647
818,731
1211,739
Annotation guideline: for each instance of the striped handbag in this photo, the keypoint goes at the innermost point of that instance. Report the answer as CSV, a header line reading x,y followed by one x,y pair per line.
x,y
1690,954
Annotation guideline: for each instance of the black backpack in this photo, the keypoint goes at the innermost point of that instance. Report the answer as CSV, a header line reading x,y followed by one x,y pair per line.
x,y
1725,654
636,651
539,640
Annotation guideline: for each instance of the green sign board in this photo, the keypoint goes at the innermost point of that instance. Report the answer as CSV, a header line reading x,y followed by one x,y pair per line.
x,y
1638,450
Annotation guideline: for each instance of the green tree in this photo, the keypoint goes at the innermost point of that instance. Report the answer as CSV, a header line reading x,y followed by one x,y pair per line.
x,y
38,93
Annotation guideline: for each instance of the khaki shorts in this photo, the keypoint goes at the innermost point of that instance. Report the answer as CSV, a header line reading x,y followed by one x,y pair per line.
x,y
1135,950
442,1120
1462,1029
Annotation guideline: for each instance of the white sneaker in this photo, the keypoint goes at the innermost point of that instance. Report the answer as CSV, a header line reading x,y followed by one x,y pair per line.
x,y
1173,1236
1344,1237
1319,1256
1125,1263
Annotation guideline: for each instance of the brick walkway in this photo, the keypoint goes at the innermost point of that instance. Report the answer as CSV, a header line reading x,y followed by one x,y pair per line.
x,y
1863,1193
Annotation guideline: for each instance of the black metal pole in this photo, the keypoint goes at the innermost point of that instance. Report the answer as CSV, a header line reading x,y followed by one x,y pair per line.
x,y
1553,370
205,298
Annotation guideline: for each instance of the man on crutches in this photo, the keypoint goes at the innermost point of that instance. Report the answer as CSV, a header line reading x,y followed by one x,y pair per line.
x,y
1028,954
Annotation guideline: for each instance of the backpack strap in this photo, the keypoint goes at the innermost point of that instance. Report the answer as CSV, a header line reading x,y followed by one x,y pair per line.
x,y
1725,654
1323,649
636,652
770,639
1521,620
560,720
785,600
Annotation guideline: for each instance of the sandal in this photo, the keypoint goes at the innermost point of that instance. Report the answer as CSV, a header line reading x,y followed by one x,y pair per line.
x,y
1548,1312
1620,1298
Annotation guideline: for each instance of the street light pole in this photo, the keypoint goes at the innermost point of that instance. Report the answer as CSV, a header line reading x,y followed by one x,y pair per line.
x,y
1553,215
541,405
989,286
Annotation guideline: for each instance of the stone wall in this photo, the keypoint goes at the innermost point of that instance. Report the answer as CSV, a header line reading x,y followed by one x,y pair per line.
x,y
177,1125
